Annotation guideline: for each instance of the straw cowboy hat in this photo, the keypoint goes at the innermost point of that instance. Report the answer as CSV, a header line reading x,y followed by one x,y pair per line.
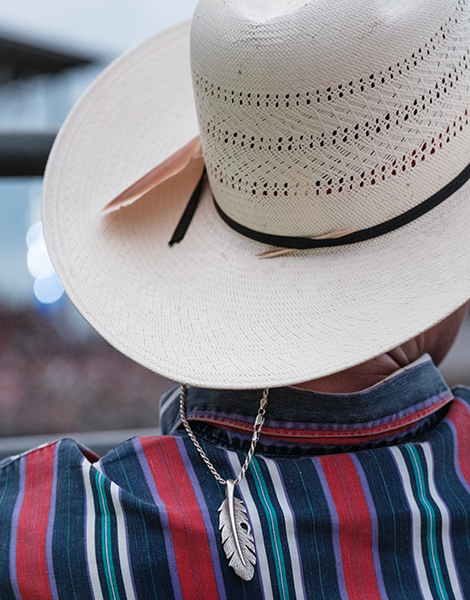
x,y
331,174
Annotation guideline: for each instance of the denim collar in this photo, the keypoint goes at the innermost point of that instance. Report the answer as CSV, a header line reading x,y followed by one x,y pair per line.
x,y
395,406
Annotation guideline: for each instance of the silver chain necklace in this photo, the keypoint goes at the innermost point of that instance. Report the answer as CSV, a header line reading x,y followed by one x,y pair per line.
x,y
237,539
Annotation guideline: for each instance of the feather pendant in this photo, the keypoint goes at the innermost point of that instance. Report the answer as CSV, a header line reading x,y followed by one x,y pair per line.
x,y
237,540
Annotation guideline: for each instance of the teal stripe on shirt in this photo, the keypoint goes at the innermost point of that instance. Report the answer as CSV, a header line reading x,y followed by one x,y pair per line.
x,y
273,525
431,522
106,546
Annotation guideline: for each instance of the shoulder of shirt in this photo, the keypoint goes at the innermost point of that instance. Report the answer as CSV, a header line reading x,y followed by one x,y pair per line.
x,y
462,392
15,457
65,442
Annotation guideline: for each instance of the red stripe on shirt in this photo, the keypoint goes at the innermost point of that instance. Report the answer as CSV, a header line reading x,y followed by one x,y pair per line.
x,y
460,417
33,580
190,541
355,528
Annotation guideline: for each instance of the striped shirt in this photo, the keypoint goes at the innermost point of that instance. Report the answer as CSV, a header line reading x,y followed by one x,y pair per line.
x,y
351,496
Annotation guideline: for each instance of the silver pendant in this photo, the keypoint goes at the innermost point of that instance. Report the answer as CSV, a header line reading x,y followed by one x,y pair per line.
x,y
237,540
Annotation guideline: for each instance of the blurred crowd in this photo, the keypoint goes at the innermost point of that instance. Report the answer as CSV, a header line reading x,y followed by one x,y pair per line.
x,y
55,381
52,381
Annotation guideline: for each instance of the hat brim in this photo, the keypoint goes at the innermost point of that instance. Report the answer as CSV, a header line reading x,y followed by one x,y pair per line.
x,y
208,311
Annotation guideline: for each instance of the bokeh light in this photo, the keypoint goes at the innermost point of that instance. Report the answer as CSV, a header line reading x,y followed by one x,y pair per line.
x,y
48,290
47,287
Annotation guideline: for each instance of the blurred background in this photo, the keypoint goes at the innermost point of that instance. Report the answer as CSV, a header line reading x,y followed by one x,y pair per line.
x,y
56,374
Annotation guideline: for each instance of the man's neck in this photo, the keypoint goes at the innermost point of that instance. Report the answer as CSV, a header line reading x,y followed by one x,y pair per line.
x,y
358,378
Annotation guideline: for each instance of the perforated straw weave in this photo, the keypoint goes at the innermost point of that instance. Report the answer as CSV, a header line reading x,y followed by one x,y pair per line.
x,y
314,118
313,113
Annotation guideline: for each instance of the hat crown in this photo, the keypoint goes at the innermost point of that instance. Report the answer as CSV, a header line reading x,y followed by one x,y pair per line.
x,y
319,117
260,11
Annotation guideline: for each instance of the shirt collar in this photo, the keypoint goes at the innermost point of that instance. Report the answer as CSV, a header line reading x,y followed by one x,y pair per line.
x,y
390,407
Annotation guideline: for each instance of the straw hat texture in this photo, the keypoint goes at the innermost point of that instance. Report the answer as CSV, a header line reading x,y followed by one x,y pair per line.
x,y
316,120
